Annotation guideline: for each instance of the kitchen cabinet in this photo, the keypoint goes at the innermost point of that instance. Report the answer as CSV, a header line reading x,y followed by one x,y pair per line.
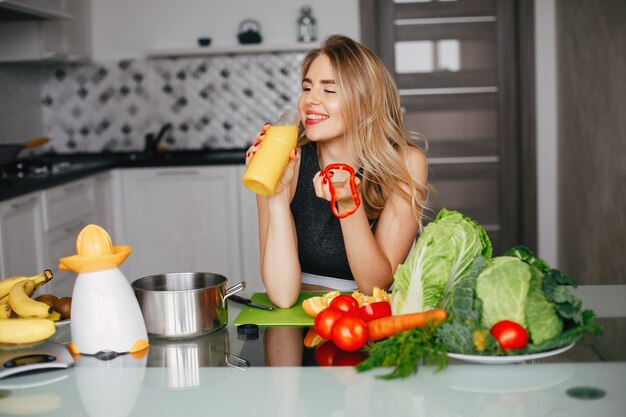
x,y
67,209
21,246
181,219
107,202
64,38
250,256
32,9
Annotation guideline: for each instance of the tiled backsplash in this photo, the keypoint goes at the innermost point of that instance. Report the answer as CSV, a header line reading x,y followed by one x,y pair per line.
x,y
217,102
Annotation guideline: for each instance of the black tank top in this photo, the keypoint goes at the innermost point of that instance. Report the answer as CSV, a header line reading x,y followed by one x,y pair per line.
x,y
320,242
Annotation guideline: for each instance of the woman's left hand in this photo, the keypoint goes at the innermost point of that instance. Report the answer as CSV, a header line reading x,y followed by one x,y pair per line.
x,y
343,191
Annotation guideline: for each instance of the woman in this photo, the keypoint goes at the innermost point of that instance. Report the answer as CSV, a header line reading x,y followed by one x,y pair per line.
x,y
350,113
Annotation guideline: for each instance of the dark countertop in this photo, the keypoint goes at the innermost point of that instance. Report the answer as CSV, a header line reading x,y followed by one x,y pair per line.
x,y
83,165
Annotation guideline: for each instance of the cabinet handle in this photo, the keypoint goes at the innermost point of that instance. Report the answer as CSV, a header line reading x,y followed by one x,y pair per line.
x,y
73,228
74,188
176,173
22,204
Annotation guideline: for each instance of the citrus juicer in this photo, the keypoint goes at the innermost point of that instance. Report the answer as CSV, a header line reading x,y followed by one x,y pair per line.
x,y
106,317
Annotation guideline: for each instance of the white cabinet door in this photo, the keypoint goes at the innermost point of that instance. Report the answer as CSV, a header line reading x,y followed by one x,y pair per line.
x,y
248,218
181,219
21,247
107,198
67,209
61,242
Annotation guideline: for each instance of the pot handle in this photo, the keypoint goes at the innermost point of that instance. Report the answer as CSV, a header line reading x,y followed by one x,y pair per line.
x,y
236,362
234,289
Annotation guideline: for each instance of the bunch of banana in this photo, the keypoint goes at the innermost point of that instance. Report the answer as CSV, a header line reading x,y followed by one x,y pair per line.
x,y
26,330
8,283
23,305
35,319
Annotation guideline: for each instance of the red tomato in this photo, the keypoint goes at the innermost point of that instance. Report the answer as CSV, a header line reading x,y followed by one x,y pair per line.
x,y
375,310
349,358
510,335
346,303
350,332
326,353
325,320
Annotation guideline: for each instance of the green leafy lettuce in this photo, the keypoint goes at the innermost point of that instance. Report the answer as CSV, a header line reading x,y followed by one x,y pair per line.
x,y
542,321
439,259
502,288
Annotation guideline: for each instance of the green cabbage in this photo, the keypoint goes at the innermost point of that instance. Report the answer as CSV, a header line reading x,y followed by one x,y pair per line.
x,y
441,257
541,318
502,288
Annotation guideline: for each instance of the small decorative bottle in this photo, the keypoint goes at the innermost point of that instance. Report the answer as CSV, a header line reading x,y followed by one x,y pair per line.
x,y
307,26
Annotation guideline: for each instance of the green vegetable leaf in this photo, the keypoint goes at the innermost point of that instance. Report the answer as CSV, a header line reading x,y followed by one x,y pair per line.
x,y
555,287
542,321
405,351
526,255
502,287
569,336
459,295
443,254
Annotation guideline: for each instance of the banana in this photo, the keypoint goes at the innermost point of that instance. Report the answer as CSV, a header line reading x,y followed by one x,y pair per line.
x,y
26,330
23,405
54,316
5,310
23,305
38,280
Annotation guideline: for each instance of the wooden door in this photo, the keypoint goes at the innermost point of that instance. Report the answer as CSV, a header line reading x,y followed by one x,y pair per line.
x,y
457,66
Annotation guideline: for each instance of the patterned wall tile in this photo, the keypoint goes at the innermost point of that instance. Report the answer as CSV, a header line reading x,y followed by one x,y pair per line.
x,y
214,102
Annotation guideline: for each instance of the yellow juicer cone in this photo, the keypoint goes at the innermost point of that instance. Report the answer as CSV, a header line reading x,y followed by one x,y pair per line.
x,y
94,252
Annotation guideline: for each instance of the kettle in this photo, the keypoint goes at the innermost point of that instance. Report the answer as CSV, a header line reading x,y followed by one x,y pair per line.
x,y
249,31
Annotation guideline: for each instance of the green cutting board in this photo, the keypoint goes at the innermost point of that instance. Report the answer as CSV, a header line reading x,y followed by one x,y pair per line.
x,y
294,316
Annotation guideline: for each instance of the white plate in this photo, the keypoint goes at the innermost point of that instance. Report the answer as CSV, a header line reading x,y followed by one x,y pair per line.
x,y
499,360
62,323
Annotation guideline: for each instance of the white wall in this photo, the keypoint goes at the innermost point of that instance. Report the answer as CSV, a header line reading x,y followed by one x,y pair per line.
x,y
547,133
127,28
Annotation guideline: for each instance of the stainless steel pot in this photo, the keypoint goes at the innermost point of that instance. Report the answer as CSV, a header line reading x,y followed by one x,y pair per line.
x,y
182,360
184,304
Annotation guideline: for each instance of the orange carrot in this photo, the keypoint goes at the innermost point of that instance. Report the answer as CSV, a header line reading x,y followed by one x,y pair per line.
x,y
390,325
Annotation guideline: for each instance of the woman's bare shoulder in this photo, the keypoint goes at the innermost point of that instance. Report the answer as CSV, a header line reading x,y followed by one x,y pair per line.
x,y
418,164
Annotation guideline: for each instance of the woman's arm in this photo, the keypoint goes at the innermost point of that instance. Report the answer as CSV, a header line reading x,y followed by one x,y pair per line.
x,y
278,243
374,257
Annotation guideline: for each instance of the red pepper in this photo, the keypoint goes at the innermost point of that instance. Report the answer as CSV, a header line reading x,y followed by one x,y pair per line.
x,y
375,310
355,194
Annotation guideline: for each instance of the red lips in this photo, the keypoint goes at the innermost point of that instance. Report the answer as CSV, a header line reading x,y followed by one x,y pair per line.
x,y
308,121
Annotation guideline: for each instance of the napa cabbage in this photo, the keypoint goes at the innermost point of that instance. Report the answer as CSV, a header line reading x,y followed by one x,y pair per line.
x,y
440,258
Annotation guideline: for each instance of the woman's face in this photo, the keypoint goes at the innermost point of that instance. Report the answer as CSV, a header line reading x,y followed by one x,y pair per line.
x,y
318,104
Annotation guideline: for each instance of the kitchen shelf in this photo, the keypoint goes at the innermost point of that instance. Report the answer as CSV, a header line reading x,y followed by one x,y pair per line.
x,y
229,50
32,9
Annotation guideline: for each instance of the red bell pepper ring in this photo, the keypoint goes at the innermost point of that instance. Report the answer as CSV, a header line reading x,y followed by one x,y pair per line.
x,y
375,310
355,194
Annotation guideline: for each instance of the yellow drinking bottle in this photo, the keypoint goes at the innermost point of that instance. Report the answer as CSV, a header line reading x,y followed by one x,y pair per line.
x,y
269,162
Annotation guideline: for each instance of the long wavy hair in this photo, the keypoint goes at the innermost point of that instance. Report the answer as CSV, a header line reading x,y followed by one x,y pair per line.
x,y
370,105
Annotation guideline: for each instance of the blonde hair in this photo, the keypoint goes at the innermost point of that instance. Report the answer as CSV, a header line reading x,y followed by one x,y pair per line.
x,y
370,106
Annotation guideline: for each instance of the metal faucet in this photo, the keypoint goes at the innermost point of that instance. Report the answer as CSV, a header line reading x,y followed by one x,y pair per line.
x,y
152,141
